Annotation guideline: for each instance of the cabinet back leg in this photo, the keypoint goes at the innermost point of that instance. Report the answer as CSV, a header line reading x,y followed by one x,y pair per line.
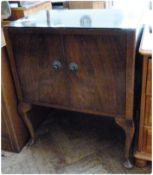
x,y
23,109
128,127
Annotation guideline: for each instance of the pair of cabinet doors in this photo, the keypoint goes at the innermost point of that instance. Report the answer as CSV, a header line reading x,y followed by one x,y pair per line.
x,y
79,71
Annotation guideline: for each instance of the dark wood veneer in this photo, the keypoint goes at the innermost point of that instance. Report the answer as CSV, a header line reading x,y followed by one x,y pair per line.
x,y
103,84
88,88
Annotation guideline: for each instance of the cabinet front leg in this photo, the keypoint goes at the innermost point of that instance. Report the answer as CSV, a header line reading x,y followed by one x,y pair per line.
x,y
128,127
23,109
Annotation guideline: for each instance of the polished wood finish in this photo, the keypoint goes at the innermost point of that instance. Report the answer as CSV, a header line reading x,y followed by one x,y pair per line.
x,y
144,146
103,84
72,89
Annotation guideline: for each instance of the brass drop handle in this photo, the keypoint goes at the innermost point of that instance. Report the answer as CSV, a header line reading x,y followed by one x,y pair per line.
x,y
73,67
56,65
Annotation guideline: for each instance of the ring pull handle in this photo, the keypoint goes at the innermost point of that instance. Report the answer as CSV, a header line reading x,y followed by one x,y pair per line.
x,y
73,67
56,65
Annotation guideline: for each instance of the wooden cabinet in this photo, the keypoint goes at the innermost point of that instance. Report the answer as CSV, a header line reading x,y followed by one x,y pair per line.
x,y
75,67
144,147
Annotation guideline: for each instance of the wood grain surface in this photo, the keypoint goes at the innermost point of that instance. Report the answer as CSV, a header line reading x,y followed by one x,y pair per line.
x,y
95,87
144,146
103,84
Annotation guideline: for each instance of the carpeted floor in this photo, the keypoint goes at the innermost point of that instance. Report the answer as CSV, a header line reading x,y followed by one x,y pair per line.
x,y
72,143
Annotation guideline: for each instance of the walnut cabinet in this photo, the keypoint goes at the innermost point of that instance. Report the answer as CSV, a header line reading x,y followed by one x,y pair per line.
x,y
83,64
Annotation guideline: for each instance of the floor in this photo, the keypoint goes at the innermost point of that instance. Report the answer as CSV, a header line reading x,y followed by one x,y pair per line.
x,y
71,142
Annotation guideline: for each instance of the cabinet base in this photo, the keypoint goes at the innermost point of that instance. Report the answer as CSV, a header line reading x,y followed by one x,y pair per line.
x,y
140,163
141,159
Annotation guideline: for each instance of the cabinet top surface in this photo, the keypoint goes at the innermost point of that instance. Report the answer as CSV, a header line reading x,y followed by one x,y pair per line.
x,y
103,18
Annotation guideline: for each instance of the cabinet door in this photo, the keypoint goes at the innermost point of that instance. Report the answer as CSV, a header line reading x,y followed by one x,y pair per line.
x,y
34,55
99,83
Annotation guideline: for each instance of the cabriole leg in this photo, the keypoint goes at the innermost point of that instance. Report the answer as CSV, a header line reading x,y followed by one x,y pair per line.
x,y
128,127
23,109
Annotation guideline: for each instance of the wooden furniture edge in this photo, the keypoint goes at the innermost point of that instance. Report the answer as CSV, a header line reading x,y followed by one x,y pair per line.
x,y
142,155
147,36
